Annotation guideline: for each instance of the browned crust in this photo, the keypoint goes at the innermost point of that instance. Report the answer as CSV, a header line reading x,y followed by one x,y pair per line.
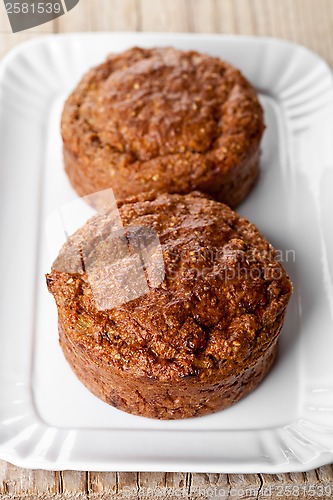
x,y
163,120
162,400
205,338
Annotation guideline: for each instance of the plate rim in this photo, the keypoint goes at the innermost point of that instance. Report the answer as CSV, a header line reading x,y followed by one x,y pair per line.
x,y
9,453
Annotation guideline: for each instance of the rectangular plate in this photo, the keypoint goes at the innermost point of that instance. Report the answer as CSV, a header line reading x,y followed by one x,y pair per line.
x,y
47,418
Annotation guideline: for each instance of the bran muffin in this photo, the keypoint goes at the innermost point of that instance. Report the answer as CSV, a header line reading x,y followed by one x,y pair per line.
x,y
163,120
201,337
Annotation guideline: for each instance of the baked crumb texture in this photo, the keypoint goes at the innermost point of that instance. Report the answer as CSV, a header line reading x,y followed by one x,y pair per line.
x,y
195,344
163,120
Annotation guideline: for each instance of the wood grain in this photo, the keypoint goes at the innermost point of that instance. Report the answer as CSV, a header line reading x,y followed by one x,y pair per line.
x,y
309,22
159,15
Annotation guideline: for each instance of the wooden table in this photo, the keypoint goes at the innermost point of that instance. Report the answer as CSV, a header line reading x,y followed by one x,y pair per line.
x,y
309,22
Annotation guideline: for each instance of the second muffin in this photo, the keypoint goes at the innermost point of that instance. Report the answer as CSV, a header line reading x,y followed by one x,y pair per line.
x,y
163,120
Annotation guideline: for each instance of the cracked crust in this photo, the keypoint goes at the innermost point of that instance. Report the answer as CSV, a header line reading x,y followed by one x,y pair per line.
x,y
163,120
198,342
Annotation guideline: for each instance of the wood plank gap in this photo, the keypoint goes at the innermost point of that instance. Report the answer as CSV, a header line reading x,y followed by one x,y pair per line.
x,y
253,19
263,24
260,486
88,484
189,483
189,16
138,7
217,16
229,484
224,14
117,483
91,8
138,484
235,19
61,482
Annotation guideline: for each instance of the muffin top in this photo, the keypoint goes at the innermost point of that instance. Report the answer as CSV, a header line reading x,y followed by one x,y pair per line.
x,y
159,110
213,307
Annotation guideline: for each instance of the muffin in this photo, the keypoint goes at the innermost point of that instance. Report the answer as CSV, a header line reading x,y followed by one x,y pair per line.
x,y
163,120
205,331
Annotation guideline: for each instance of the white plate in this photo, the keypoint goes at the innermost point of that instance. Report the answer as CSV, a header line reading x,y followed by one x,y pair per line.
x,y
47,418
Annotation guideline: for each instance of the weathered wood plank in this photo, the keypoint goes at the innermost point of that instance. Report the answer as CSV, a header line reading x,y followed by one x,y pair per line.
x,y
244,17
308,22
202,16
78,19
244,485
102,484
15,481
325,474
215,485
159,15
128,484
149,489
74,483
115,15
